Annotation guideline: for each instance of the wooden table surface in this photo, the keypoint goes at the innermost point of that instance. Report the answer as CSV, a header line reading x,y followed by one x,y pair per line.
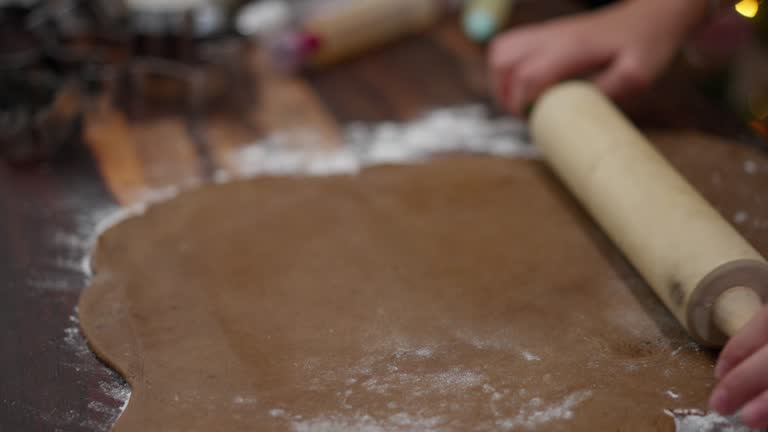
x,y
48,379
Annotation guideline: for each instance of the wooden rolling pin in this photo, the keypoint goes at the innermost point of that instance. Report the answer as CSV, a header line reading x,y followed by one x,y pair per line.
x,y
711,279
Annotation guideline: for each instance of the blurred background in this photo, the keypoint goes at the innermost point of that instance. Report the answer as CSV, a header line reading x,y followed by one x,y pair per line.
x,y
59,58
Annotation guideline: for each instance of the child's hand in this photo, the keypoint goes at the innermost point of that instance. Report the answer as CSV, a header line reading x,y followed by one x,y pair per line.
x,y
742,371
624,47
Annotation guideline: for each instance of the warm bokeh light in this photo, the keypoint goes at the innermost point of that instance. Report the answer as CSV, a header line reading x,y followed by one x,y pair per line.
x,y
748,8
761,128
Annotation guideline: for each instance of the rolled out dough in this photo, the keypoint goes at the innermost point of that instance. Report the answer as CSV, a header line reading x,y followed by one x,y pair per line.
x,y
464,294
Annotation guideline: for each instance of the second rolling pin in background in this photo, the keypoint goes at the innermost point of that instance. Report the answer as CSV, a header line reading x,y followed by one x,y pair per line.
x,y
708,276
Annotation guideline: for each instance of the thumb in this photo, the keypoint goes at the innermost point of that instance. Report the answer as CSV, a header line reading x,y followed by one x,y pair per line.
x,y
625,76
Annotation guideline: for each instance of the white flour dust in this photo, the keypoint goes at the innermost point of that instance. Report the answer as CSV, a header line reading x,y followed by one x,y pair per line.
x,y
68,260
455,129
444,382
502,341
118,215
117,391
740,217
244,400
364,423
699,421
74,340
750,167
403,386
113,388
68,250
535,413
530,356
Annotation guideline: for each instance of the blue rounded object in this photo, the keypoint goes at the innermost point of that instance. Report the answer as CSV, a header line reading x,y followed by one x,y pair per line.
x,y
479,25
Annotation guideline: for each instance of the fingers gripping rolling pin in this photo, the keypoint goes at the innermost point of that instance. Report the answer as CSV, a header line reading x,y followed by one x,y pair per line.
x,y
708,276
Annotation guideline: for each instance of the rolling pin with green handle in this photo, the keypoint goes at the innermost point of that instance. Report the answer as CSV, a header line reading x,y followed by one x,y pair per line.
x,y
708,276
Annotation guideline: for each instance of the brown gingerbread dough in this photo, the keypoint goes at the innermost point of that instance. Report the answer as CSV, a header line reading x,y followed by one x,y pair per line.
x,y
463,294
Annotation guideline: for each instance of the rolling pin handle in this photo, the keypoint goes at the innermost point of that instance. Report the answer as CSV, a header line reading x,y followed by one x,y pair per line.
x,y
734,308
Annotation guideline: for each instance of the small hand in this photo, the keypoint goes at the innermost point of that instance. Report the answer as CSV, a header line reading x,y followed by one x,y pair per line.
x,y
742,371
623,47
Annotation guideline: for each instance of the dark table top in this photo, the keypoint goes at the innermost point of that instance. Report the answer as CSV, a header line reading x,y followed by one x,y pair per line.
x,y
49,379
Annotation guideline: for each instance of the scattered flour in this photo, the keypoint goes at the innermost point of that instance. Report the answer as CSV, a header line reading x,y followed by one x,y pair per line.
x,y
502,341
112,386
117,215
530,356
80,241
74,339
740,217
672,394
455,129
750,167
397,368
532,415
423,353
698,421
99,407
449,381
363,423
66,273
70,240
244,400
53,284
